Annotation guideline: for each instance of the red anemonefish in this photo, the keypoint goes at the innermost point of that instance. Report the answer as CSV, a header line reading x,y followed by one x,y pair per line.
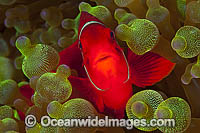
x,y
106,74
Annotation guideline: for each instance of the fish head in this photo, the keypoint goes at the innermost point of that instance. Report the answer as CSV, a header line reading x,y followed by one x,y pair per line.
x,y
104,60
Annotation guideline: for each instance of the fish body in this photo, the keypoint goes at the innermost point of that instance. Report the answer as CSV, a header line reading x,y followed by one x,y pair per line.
x,y
106,74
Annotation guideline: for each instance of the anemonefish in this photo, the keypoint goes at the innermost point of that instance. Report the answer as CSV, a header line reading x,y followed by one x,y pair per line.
x,y
106,74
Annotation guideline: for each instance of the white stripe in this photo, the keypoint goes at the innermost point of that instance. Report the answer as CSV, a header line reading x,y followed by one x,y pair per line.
x,y
85,25
92,81
127,67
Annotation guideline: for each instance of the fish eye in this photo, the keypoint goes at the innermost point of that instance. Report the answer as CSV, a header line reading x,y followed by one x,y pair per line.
x,y
80,45
112,35
118,50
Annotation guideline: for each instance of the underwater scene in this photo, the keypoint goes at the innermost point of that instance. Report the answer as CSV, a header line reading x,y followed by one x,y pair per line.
x,y
99,66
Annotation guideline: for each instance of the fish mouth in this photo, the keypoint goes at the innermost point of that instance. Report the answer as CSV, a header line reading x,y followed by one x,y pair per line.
x,y
102,58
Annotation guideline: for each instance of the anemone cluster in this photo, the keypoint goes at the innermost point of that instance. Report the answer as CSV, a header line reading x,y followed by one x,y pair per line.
x,y
32,82
149,104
